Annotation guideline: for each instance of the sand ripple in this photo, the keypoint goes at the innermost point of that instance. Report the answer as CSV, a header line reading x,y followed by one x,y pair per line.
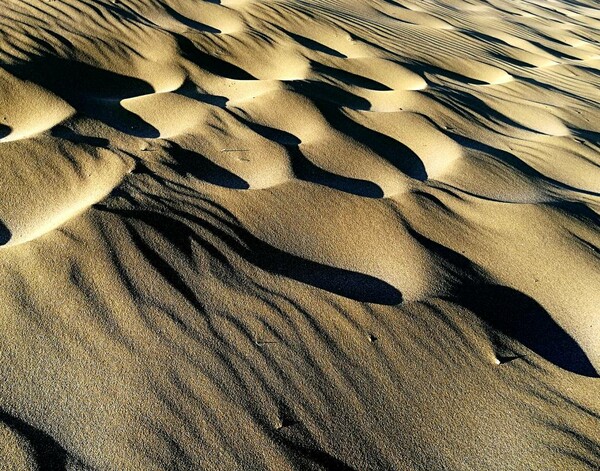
x,y
293,234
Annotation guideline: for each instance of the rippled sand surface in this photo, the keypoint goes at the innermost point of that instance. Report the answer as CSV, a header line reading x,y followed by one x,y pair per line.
x,y
299,234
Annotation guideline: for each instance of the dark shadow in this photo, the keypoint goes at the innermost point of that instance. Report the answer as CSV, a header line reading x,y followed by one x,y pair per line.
x,y
200,167
210,63
589,70
553,52
316,46
501,155
519,316
76,81
64,132
349,78
177,233
305,170
119,118
579,211
319,457
90,90
592,136
125,12
486,38
215,100
513,313
576,3
5,234
476,106
435,200
423,68
294,436
190,90
346,283
326,92
552,88
398,154
189,22
276,135
595,249
511,60
4,130
49,455
513,161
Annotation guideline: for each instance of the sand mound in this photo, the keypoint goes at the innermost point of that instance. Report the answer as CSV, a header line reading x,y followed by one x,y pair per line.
x,y
317,234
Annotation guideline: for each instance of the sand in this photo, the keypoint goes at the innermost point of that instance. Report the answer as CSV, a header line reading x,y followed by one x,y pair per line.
x,y
299,234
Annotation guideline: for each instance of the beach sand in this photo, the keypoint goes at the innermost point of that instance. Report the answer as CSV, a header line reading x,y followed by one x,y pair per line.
x,y
299,234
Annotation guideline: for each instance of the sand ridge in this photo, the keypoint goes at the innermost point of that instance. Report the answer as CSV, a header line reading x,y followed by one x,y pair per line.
x,y
309,234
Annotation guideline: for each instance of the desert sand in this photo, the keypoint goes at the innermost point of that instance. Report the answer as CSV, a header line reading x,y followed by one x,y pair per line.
x,y
299,234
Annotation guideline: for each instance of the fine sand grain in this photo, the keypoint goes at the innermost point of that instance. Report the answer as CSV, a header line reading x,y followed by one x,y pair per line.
x,y
299,234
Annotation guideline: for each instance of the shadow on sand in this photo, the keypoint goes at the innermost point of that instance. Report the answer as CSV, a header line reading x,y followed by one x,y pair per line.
x,y
305,170
200,167
49,455
347,283
92,91
513,313
5,234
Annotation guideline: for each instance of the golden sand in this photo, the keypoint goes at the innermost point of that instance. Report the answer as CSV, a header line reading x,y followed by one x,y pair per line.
x,y
299,234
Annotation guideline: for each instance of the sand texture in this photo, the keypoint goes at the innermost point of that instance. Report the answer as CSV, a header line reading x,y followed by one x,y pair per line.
x,y
299,235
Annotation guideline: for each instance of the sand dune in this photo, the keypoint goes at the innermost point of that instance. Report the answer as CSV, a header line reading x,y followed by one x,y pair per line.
x,y
300,234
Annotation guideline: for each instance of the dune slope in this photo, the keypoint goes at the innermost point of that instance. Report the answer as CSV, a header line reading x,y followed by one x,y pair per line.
x,y
299,234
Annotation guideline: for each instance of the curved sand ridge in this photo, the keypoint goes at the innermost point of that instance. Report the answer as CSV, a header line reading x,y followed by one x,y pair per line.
x,y
317,234
28,108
